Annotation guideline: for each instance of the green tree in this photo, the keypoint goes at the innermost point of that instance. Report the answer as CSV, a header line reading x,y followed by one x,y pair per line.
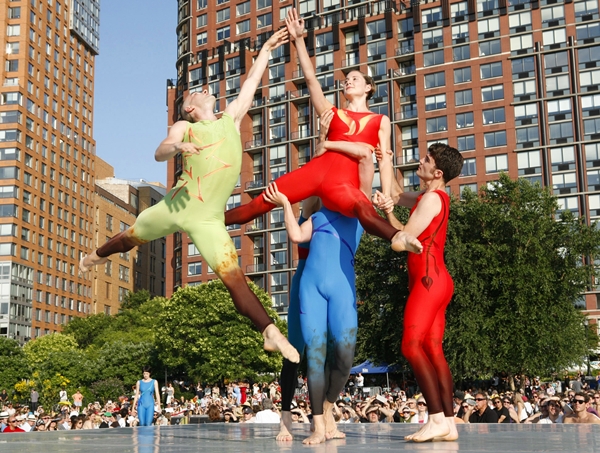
x,y
89,330
199,329
518,271
108,389
124,360
14,364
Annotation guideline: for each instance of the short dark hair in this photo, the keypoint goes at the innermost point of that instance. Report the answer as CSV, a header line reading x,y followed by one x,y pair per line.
x,y
447,159
185,115
147,369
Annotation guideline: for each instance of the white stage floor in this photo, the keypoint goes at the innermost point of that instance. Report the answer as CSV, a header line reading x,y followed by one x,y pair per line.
x,y
250,438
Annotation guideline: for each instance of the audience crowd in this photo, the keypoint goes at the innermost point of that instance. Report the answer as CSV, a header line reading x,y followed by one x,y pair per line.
x,y
569,401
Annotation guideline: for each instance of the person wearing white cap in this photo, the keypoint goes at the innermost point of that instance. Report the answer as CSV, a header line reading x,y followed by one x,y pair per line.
x,y
29,423
3,420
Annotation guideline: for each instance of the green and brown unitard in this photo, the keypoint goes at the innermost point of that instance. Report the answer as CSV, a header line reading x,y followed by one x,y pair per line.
x,y
196,205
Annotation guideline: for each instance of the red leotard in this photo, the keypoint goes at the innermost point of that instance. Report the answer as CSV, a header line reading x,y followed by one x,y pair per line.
x,y
431,290
333,177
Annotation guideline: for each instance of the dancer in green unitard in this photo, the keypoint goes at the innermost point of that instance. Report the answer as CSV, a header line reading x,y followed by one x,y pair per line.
x,y
212,155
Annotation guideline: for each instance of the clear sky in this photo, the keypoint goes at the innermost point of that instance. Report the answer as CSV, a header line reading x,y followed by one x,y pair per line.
x,y
138,51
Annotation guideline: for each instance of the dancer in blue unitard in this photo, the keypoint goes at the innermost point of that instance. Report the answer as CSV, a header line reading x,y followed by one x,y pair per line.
x,y
289,370
146,390
328,316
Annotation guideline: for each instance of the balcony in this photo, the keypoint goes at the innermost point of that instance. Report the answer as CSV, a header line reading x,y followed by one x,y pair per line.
x,y
257,184
299,94
406,114
254,143
404,52
257,227
299,74
304,133
254,268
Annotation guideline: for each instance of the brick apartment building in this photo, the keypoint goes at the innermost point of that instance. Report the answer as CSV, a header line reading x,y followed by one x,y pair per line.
x,y
513,84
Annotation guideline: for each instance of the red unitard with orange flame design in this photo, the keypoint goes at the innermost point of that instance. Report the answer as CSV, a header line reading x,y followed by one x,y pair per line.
x,y
333,177
431,289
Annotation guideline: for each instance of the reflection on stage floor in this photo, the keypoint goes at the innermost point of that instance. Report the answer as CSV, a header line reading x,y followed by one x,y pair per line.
x,y
251,438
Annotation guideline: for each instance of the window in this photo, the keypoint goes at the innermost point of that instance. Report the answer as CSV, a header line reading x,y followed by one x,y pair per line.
x,y
459,11
375,50
13,30
589,79
469,167
490,48
260,4
527,135
495,164
460,53
563,158
526,112
586,7
492,116
590,128
492,139
242,8
461,75
435,102
460,32
557,36
201,38
553,13
194,269
376,29
488,27
466,143
222,33
521,43
431,15
438,124
523,65
201,21
491,70
524,88
264,20
464,120
492,93
558,83
520,21
556,60
433,58
432,38
463,97
437,79
529,162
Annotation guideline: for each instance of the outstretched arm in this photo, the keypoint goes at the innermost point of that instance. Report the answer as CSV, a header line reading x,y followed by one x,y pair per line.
x,y
174,144
295,26
296,233
239,107
386,169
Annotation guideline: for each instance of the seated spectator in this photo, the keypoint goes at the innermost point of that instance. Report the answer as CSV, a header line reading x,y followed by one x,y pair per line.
x,y
12,426
229,416
372,414
481,412
580,414
247,414
501,411
422,415
268,414
214,414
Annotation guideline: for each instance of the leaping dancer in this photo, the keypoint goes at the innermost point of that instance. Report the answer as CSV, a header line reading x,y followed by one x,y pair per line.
x,y
212,156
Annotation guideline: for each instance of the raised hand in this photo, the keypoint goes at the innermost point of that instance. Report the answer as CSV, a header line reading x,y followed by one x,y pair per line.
x,y
295,24
273,195
277,39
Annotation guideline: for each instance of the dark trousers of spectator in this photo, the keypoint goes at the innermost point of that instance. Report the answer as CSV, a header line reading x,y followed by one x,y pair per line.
x,y
33,406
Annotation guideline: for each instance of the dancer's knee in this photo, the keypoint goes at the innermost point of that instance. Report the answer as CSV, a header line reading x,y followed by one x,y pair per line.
x,y
411,348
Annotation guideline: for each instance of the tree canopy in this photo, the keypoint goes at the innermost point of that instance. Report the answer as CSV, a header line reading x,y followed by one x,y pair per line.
x,y
200,329
519,266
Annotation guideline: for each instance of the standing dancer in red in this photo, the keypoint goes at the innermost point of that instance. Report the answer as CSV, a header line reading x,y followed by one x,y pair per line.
x,y
430,287
334,176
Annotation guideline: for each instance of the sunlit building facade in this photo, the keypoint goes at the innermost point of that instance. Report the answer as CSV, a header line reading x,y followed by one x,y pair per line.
x,y
513,84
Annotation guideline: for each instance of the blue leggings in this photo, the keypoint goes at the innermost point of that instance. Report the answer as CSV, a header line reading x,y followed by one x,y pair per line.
x,y
145,414
328,315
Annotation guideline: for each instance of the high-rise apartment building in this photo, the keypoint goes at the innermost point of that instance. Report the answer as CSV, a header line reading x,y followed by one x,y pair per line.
x,y
118,202
46,162
513,84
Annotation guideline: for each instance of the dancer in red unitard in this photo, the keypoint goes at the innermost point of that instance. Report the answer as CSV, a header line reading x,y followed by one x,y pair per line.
x,y
334,174
430,287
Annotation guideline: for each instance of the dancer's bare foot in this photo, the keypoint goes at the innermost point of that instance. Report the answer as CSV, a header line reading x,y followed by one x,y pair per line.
x,y
410,436
318,436
452,435
436,427
331,431
285,426
275,341
90,260
405,242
